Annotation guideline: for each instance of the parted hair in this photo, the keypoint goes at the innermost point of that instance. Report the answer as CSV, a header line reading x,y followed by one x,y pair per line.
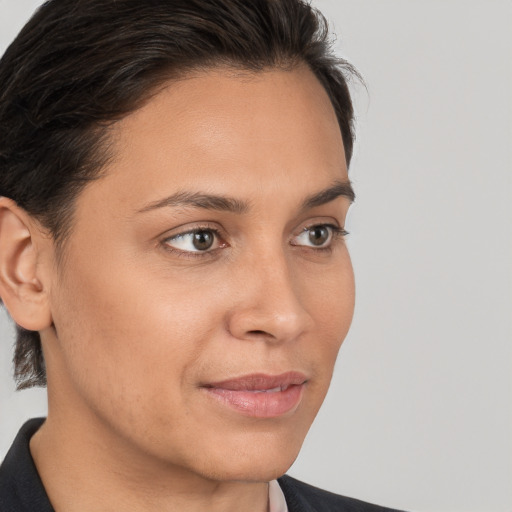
x,y
78,66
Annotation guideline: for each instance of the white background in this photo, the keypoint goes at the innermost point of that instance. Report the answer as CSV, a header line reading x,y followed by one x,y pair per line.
x,y
419,415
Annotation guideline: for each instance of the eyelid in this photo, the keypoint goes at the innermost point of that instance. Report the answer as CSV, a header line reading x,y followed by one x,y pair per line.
x,y
190,230
336,231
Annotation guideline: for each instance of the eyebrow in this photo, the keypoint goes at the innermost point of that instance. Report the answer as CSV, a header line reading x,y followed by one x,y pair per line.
x,y
338,189
229,204
199,200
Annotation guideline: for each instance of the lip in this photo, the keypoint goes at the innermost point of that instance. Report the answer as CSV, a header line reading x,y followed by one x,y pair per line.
x,y
259,395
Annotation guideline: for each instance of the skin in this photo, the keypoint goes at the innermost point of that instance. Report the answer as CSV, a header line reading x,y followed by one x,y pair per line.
x,y
134,322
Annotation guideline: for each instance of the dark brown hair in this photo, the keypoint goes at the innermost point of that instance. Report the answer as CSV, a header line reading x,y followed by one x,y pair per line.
x,y
79,65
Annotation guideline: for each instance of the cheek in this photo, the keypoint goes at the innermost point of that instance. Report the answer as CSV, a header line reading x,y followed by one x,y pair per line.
x,y
329,294
331,303
129,342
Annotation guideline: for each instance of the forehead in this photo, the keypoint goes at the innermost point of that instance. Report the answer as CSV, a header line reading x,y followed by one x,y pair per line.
x,y
224,131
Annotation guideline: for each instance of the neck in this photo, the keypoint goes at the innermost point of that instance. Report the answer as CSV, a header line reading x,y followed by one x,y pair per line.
x,y
82,469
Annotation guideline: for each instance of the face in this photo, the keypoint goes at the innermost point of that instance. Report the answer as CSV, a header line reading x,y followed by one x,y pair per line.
x,y
206,287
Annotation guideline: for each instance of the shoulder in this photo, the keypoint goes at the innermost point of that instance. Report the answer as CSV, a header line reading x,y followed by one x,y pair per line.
x,y
302,497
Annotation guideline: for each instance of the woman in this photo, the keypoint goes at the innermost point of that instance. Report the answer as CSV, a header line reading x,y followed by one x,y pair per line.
x,y
174,192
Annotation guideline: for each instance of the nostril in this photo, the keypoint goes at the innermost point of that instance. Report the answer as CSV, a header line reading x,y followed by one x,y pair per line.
x,y
259,333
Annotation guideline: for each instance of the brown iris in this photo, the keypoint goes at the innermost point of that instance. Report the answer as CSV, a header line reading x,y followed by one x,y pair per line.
x,y
319,235
203,240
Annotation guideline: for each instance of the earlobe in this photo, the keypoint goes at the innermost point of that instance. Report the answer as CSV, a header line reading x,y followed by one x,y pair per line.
x,y
21,289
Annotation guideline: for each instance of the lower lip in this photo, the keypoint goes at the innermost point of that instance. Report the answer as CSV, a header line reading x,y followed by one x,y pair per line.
x,y
260,404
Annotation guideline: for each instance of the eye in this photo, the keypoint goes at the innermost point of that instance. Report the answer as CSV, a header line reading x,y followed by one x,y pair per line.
x,y
319,236
198,240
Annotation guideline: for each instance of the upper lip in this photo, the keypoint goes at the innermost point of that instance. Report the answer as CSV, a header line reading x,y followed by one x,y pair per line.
x,y
260,382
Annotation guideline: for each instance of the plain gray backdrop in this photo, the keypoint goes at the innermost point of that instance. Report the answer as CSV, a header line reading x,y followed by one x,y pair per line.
x,y
419,415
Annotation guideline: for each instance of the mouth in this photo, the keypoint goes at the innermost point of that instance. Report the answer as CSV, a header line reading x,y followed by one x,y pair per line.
x,y
260,395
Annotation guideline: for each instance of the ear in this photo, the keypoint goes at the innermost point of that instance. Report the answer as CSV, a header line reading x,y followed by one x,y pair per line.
x,y
21,289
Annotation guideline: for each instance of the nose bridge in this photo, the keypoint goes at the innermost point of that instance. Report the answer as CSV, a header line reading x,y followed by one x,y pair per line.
x,y
270,303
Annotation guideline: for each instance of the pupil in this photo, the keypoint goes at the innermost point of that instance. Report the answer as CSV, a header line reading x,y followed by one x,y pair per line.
x,y
203,240
318,235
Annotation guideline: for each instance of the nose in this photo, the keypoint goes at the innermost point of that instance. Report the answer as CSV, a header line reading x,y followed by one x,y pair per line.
x,y
269,305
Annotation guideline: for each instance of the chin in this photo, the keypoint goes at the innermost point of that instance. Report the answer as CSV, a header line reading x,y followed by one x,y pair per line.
x,y
256,461
261,470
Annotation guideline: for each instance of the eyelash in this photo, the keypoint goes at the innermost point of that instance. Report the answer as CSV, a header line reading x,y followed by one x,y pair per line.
x,y
195,254
336,232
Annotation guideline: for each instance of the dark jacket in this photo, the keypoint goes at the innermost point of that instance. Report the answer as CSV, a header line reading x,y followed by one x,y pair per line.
x,y
301,497
21,489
